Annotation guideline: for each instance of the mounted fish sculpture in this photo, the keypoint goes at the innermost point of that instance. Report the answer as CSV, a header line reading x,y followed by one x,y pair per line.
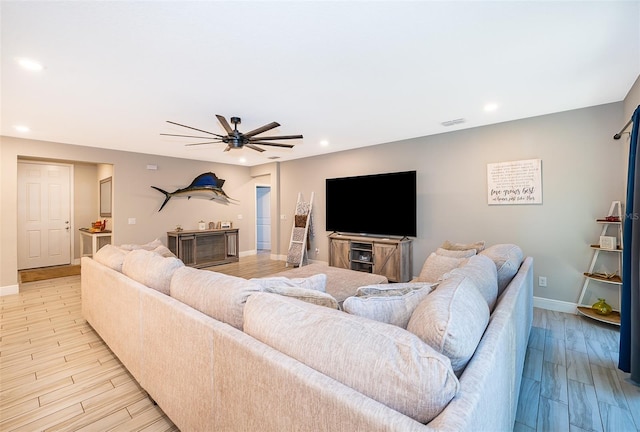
x,y
206,185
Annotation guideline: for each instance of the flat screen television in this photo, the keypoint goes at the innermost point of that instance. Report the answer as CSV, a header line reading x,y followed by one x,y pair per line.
x,y
380,204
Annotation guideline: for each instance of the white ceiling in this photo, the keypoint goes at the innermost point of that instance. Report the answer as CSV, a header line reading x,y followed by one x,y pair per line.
x,y
352,73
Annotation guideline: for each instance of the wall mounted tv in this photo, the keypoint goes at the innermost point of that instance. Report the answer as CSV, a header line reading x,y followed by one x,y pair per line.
x,y
380,204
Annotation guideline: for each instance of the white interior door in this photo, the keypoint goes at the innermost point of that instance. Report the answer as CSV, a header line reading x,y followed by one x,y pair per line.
x,y
44,215
263,217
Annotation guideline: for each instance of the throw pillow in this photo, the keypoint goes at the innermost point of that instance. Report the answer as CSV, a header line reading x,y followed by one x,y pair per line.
x,y
308,295
507,258
452,320
150,269
317,282
456,253
218,295
392,305
482,271
437,265
478,246
110,256
383,362
148,246
164,251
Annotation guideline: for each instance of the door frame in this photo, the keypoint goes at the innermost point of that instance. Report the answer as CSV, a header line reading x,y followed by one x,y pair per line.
x,y
255,225
72,259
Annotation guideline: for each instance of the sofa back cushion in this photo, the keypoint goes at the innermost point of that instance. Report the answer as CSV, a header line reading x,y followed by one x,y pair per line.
x,y
150,269
452,320
220,296
388,303
384,362
507,258
111,256
482,271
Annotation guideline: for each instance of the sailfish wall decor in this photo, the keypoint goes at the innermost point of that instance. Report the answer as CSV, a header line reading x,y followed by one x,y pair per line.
x,y
206,185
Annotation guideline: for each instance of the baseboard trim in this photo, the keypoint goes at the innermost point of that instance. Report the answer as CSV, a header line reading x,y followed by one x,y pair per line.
x,y
9,290
247,253
554,305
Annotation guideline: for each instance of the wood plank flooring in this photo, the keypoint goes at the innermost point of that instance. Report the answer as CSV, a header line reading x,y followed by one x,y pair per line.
x,y
571,381
57,374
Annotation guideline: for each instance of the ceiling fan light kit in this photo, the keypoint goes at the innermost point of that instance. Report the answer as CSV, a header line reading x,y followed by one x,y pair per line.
x,y
234,139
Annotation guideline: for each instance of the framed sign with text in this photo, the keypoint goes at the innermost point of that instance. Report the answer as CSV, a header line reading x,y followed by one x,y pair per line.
x,y
516,182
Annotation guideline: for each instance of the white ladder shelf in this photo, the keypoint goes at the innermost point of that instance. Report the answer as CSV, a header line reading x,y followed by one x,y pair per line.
x,y
297,254
615,212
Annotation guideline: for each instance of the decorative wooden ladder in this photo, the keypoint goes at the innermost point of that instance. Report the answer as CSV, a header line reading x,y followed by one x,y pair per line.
x,y
297,254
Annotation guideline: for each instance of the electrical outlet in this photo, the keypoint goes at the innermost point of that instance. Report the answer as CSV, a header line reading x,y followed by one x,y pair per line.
x,y
132,221
239,216
542,281
317,251
283,217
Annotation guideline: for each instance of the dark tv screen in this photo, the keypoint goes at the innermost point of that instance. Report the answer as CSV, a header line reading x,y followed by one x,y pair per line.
x,y
380,204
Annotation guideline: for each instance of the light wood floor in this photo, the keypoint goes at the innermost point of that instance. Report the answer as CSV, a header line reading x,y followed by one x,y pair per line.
x,y
57,374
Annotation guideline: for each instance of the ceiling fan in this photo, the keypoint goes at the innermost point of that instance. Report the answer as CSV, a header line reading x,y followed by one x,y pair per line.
x,y
236,139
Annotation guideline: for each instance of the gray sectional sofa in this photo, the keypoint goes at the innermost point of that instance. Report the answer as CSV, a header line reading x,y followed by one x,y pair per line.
x,y
220,353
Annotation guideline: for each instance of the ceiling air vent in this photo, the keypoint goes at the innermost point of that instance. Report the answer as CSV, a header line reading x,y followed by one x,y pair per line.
x,y
273,157
453,122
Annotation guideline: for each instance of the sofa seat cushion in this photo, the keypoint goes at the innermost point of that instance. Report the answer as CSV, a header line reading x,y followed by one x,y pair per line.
x,y
384,362
388,303
111,256
150,269
452,320
507,258
482,271
218,295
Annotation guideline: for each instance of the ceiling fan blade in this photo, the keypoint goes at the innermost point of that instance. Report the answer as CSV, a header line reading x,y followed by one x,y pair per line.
x,y
225,124
262,129
271,144
228,148
189,136
199,130
210,142
268,138
251,146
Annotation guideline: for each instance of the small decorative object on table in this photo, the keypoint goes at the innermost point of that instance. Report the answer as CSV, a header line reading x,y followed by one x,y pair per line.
x,y
601,307
178,228
226,224
212,225
202,226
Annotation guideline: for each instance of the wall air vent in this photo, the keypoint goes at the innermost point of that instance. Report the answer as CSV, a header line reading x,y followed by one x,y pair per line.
x,y
453,122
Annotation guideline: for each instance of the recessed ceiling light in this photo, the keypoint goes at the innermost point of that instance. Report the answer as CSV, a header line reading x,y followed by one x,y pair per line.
x,y
242,160
490,107
324,143
29,64
21,128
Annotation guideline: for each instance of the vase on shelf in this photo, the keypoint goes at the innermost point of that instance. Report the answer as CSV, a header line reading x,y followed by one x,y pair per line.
x,y
601,307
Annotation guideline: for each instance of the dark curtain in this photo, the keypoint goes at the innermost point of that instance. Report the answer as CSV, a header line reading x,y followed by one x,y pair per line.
x,y
630,298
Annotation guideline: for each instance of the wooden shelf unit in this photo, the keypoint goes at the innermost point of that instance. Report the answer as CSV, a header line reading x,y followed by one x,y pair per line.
x,y
205,248
615,280
388,257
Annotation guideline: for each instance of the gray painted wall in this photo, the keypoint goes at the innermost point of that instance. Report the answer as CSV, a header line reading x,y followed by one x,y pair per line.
x,y
581,166
581,175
